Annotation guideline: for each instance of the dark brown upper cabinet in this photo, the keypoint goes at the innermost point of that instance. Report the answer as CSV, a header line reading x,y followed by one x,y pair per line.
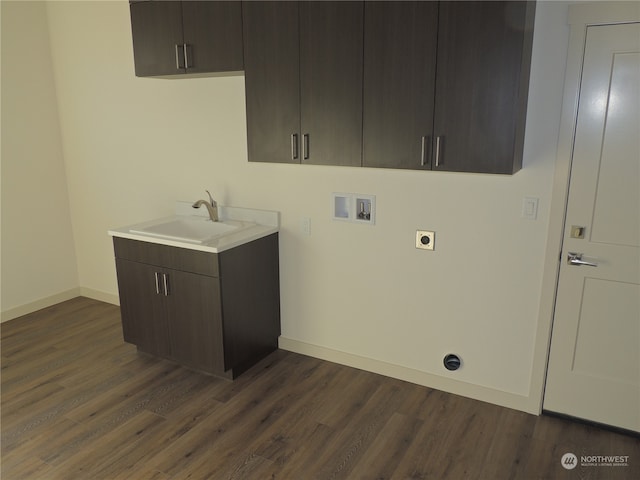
x,y
272,81
482,85
399,83
303,79
446,84
190,37
331,42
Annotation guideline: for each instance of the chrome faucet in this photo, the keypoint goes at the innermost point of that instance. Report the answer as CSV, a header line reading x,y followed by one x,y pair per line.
x,y
211,205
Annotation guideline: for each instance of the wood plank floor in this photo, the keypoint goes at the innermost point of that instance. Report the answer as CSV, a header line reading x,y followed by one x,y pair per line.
x,y
79,403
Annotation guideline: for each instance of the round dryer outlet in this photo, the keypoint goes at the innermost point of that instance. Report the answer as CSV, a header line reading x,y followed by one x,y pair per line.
x,y
425,239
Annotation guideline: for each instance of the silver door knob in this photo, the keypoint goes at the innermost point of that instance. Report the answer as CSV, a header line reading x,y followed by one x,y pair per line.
x,y
576,259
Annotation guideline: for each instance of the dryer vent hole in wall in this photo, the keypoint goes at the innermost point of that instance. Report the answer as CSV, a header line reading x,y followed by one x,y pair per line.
x,y
452,362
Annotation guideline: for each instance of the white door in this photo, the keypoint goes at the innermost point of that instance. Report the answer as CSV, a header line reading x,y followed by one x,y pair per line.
x,y
594,362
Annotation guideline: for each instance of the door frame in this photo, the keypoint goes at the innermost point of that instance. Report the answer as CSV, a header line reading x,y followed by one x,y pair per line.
x,y
580,17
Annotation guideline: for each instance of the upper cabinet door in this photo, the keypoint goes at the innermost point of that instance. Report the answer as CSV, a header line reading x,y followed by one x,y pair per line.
x,y
331,43
157,30
400,40
484,52
272,81
213,35
191,37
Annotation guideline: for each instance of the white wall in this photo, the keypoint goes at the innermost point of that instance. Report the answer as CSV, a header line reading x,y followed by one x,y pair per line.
x,y
353,293
38,254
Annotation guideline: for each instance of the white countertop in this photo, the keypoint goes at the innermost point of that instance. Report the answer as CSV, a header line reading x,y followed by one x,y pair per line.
x,y
251,225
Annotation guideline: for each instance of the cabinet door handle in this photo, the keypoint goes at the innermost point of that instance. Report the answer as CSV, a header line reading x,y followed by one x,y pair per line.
x,y
423,151
186,48
165,284
294,146
157,283
305,146
437,154
180,57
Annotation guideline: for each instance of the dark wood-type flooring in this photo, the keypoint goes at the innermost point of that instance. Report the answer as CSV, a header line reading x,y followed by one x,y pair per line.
x,y
79,403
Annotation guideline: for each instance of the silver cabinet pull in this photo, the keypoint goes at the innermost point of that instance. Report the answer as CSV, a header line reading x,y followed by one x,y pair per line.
x,y
576,259
182,56
178,57
157,283
423,152
305,146
185,48
294,146
437,153
165,284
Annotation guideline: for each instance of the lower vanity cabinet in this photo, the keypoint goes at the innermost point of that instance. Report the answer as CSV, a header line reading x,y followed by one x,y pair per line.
x,y
217,313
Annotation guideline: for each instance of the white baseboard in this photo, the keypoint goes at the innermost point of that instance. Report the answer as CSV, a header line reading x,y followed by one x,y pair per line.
x,y
58,298
100,295
39,304
477,392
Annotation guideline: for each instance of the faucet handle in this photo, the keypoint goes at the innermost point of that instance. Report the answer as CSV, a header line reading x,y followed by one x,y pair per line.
x,y
211,200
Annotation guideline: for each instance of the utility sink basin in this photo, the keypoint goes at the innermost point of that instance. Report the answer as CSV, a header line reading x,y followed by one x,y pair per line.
x,y
188,229
192,229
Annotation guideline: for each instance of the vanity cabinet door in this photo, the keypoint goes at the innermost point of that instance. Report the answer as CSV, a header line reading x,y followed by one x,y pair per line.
x,y
144,319
195,321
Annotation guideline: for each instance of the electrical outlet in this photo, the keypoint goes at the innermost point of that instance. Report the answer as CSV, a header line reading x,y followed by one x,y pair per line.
x,y
305,226
425,240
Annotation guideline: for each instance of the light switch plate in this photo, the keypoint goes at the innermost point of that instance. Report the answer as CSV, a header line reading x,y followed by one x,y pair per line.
x,y
530,208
